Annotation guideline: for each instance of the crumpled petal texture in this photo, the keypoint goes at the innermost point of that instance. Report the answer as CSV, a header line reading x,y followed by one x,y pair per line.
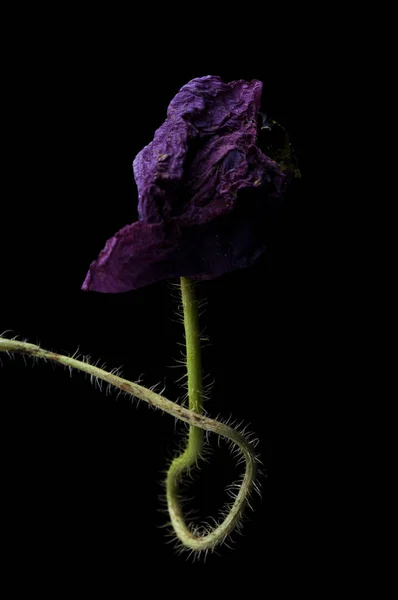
x,y
196,218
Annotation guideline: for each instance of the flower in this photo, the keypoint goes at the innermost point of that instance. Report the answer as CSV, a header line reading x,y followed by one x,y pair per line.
x,y
203,188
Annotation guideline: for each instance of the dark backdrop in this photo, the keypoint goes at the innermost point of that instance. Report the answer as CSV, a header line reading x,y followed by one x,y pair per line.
x,y
82,471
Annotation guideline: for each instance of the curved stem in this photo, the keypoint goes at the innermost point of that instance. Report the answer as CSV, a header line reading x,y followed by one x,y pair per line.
x,y
221,532
192,452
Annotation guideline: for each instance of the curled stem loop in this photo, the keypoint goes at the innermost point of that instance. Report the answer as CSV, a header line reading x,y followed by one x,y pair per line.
x,y
197,422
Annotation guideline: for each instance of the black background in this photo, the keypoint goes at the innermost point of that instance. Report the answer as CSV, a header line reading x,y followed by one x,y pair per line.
x,y
82,471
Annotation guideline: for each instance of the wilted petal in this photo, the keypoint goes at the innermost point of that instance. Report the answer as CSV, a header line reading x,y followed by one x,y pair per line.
x,y
136,256
195,217
183,170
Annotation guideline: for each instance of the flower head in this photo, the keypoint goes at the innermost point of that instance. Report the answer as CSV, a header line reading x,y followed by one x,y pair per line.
x,y
196,218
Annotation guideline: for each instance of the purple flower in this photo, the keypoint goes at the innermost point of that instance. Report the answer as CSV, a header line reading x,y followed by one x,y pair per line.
x,y
203,188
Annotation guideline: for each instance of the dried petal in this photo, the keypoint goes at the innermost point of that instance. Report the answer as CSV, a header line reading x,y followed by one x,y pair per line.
x,y
195,217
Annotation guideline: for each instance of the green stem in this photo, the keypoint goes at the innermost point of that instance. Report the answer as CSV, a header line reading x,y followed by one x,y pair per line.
x,y
192,452
233,516
194,364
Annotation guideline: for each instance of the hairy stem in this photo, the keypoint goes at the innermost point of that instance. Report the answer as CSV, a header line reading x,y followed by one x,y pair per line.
x,y
194,362
189,540
192,452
